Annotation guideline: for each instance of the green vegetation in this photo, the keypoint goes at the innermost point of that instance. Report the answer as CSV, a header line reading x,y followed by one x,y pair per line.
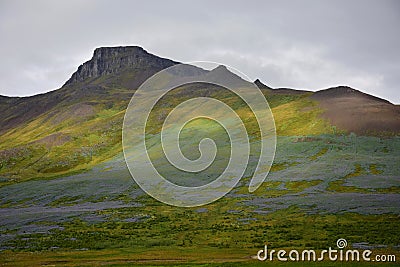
x,y
300,117
319,154
192,236
42,149
76,137
92,213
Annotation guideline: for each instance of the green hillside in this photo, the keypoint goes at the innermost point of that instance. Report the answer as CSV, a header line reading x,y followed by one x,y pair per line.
x,y
76,136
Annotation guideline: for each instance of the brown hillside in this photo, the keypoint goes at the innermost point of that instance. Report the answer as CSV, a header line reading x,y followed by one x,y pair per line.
x,y
357,112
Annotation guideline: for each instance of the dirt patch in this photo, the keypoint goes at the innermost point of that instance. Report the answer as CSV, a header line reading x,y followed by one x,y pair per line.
x,y
56,139
80,111
14,152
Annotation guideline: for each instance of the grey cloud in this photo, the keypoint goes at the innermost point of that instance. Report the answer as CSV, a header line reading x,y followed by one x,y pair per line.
x,y
300,44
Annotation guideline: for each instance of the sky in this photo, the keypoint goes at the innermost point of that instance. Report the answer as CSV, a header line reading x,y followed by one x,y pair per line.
x,y
308,44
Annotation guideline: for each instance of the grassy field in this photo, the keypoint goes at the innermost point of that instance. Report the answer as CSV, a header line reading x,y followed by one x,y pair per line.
x,y
321,188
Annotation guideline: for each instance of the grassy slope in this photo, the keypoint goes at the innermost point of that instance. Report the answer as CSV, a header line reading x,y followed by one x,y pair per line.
x,y
84,134
70,137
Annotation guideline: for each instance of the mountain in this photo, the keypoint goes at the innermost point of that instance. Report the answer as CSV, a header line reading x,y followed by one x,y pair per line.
x,y
79,125
108,76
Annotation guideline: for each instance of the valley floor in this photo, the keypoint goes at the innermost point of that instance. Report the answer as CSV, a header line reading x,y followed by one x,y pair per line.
x,y
320,189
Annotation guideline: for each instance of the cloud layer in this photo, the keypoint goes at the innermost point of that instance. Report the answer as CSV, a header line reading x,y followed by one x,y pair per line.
x,y
299,44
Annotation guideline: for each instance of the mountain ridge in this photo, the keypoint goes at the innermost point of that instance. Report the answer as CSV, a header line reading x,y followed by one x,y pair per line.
x,y
113,73
112,60
79,125
289,91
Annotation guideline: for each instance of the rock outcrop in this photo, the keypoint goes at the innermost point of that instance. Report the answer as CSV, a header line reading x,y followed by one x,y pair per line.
x,y
110,60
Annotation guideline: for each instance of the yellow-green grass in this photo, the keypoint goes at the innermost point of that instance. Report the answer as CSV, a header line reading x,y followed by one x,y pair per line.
x,y
338,185
88,143
300,117
319,154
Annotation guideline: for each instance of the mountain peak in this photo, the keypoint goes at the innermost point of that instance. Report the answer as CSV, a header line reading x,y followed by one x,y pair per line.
x,y
261,85
221,68
111,60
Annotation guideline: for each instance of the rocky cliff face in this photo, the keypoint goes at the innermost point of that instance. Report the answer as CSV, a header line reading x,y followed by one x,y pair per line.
x,y
109,60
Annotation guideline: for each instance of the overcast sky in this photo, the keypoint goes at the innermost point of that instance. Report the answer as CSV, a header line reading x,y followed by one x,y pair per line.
x,y
299,44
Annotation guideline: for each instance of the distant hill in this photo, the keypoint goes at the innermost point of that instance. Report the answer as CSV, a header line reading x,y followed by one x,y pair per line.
x,y
351,110
279,91
355,111
79,125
